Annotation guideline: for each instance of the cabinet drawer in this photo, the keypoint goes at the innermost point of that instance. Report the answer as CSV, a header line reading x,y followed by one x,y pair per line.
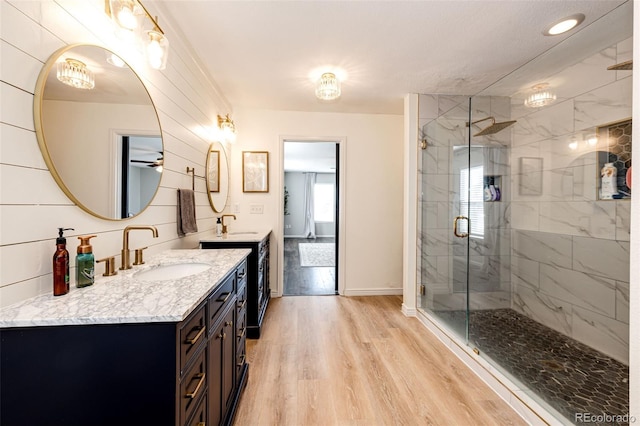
x,y
193,386
220,297
192,336
241,301
241,325
241,360
200,414
242,270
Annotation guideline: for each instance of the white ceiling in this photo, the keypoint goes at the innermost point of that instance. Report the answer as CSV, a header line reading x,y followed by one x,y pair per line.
x,y
261,53
310,157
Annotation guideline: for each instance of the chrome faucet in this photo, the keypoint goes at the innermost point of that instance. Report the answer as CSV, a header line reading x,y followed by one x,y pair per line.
x,y
224,227
126,253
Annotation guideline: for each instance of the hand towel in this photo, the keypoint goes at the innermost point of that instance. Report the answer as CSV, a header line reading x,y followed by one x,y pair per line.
x,y
186,212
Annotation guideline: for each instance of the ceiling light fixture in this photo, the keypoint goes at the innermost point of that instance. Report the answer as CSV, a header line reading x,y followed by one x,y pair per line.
x,y
129,15
540,97
328,87
227,128
76,74
564,25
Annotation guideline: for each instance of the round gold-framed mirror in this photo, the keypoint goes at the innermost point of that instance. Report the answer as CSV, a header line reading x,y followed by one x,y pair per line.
x,y
102,144
217,177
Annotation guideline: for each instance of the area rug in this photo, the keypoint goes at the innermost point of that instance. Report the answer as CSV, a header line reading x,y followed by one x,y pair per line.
x,y
317,254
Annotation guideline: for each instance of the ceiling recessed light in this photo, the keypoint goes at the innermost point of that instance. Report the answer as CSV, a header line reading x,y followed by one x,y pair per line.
x,y
564,25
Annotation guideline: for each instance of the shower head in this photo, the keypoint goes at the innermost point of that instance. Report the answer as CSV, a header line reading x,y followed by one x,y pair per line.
x,y
493,127
622,66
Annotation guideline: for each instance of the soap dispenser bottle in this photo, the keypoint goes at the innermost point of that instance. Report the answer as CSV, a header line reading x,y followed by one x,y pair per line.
x,y
85,263
61,265
219,228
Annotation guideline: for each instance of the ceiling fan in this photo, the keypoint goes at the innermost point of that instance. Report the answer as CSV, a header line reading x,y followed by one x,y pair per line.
x,y
159,162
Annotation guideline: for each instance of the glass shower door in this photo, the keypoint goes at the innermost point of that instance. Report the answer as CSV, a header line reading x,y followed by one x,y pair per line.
x,y
444,210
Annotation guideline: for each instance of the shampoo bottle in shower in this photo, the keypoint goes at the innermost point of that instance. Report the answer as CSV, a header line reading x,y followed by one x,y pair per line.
x,y
61,265
85,263
608,182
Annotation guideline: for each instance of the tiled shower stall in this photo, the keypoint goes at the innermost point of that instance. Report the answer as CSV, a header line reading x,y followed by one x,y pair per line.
x,y
547,262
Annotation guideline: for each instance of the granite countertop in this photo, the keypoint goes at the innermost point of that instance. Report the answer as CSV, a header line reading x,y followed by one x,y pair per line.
x,y
236,236
124,298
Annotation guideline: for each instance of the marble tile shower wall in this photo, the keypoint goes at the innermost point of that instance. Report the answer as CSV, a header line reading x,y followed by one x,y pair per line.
x,y
570,261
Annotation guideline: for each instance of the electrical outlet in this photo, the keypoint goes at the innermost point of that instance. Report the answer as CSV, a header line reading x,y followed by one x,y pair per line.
x,y
256,209
236,208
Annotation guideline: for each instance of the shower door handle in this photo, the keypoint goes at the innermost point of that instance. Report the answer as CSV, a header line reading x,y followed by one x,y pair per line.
x,y
455,227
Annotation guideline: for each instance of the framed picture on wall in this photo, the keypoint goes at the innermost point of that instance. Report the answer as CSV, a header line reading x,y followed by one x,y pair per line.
x,y
530,176
255,171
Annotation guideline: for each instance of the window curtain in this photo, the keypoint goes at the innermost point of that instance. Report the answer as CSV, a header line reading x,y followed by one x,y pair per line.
x,y
309,222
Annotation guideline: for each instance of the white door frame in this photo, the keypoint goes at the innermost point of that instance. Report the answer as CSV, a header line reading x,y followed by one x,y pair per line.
x,y
342,148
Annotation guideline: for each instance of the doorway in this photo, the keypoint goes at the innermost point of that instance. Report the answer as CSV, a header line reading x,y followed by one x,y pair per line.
x,y
137,168
311,217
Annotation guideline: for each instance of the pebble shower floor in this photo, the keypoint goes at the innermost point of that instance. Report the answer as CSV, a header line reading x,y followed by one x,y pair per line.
x,y
571,377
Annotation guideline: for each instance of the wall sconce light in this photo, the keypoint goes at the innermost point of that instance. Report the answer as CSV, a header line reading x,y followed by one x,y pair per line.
x,y
227,128
76,74
129,15
328,87
540,97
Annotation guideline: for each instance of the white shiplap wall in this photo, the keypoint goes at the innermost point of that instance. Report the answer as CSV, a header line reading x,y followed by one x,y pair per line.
x,y
32,206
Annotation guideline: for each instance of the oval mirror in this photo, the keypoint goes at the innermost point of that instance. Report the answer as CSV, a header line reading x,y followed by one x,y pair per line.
x,y
217,177
103,145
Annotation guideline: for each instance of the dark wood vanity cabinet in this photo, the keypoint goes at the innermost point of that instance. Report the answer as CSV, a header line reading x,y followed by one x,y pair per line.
x,y
258,286
129,374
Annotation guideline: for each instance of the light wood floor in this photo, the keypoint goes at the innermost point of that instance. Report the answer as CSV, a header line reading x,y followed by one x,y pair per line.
x,y
359,361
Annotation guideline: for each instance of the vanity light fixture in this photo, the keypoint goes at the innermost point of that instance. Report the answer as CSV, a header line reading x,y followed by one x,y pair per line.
x,y
76,74
328,87
564,25
129,15
227,128
540,97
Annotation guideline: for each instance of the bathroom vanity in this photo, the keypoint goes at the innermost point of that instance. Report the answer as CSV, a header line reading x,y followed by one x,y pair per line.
x,y
258,287
161,344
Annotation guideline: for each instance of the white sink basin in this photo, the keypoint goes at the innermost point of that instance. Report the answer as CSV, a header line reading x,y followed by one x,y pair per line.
x,y
171,272
242,233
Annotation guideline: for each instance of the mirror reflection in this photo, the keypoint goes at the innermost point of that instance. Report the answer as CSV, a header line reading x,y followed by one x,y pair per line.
x,y
217,177
102,144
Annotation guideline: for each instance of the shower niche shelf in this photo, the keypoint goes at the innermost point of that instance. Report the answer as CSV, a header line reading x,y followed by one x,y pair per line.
x,y
492,188
614,147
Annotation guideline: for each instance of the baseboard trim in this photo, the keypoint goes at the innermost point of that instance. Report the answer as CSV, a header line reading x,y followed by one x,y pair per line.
x,y
409,312
373,292
303,236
